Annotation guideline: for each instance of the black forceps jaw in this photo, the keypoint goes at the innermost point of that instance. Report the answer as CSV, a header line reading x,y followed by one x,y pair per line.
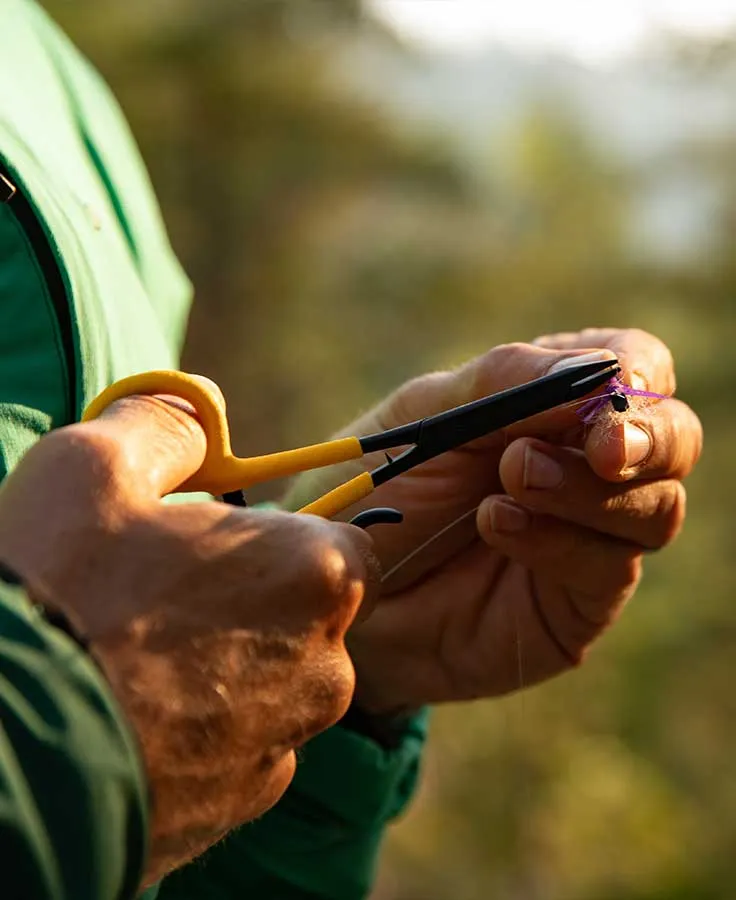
x,y
437,434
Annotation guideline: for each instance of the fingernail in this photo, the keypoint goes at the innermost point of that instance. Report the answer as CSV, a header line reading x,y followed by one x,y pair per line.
x,y
506,518
541,472
637,445
581,360
639,382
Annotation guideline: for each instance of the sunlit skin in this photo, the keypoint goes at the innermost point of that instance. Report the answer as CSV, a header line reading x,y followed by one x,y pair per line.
x,y
452,621
221,631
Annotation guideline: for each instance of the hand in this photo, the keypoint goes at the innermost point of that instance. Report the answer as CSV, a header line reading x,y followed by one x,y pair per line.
x,y
516,592
221,631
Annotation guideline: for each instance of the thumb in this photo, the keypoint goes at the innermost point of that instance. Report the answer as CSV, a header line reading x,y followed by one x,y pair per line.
x,y
513,364
503,367
159,440
139,449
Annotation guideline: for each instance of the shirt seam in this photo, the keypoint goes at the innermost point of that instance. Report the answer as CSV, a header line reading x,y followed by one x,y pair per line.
x,y
50,311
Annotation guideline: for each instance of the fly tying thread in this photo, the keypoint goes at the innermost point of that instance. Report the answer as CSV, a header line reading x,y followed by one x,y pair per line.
x,y
617,393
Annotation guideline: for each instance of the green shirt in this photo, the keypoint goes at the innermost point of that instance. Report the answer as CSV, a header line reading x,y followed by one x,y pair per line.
x,y
90,291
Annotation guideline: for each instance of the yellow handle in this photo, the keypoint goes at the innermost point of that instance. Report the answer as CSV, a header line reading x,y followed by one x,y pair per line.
x,y
341,497
222,471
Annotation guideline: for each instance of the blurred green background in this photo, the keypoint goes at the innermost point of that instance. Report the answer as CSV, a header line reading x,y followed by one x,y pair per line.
x,y
354,211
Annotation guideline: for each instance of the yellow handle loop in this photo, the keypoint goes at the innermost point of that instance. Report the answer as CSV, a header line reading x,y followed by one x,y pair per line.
x,y
222,471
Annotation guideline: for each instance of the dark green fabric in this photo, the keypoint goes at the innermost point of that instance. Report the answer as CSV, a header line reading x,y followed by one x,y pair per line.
x,y
72,822
67,146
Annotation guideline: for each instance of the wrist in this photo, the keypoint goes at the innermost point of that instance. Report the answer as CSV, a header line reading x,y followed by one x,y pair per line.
x,y
52,614
387,729
54,516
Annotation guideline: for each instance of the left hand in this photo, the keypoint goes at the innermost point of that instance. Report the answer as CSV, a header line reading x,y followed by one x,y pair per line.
x,y
516,592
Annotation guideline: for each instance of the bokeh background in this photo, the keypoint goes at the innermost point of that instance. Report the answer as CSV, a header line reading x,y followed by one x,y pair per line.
x,y
355,206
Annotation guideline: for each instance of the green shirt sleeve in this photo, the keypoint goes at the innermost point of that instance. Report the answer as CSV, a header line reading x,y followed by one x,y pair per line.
x,y
72,795
73,803
322,839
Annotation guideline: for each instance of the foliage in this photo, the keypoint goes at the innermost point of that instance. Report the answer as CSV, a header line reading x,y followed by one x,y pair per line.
x,y
336,253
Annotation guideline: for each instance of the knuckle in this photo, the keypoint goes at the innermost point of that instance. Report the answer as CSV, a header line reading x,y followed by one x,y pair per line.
x,y
342,686
624,579
510,348
631,505
682,443
632,569
612,582
670,511
667,362
589,335
422,395
327,570
174,427
639,335
498,367
699,439
330,693
330,570
621,503
503,353
658,353
688,434
88,450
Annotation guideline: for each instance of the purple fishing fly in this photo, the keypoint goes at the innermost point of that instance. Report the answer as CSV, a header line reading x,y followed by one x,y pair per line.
x,y
617,394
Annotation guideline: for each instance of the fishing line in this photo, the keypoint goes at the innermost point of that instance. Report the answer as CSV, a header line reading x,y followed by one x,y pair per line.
x,y
443,531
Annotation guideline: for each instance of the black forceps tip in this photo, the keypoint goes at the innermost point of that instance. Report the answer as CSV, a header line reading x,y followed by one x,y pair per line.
x,y
445,431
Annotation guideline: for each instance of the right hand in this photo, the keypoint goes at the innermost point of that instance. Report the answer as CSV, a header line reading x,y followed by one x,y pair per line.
x,y
220,630
458,614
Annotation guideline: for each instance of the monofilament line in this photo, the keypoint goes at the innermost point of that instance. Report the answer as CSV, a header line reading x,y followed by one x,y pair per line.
x,y
399,565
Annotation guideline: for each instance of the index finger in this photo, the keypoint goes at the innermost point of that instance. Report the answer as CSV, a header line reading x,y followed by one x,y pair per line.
x,y
646,361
